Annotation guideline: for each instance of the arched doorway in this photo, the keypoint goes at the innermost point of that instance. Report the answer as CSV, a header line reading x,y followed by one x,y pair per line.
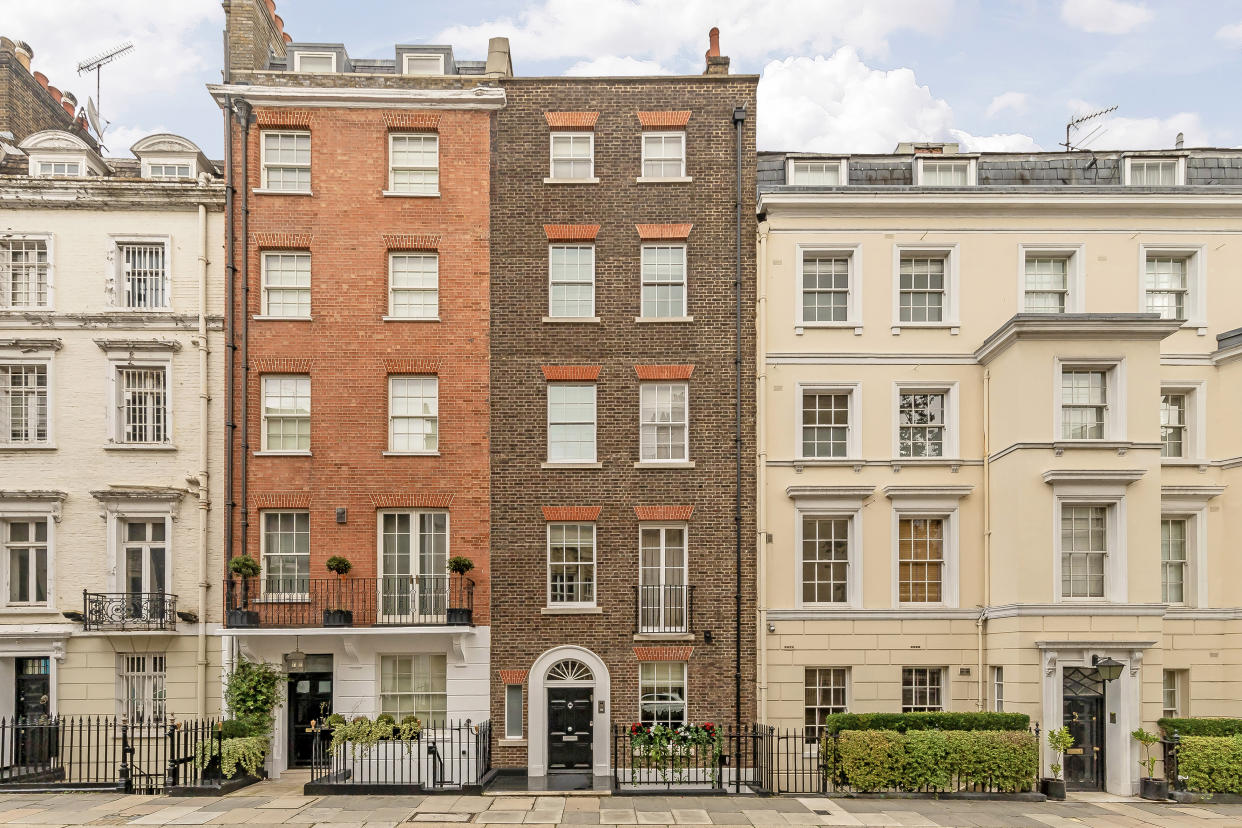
x,y
568,713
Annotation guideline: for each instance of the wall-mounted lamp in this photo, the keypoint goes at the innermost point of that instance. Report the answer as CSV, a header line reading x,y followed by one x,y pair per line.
x,y
295,662
1108,668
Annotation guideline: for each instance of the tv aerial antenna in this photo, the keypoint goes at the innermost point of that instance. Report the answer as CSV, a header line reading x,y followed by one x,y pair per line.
x,y
95,64
1075,123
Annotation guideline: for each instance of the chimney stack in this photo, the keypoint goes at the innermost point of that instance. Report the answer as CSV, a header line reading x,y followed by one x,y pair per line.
x,y
499,60
24,54
717,64
1181,139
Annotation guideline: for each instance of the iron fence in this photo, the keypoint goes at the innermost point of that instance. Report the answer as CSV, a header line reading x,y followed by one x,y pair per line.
x,y
124,611
453,756
1170,746
390,600
663,608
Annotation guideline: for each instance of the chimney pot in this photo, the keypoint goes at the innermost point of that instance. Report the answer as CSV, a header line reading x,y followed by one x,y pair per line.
x,y
280,23
271,7
24,54
713,42
41,78
717,64
70,102
55,93
286,37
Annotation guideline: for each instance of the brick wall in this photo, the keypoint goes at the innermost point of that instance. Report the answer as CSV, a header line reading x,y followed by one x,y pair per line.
x,y
521,344
26,107
252,34
349,351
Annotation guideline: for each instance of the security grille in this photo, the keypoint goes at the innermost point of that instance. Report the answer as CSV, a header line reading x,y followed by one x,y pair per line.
x,y
23,403
144,405
146,278
23,274
142,688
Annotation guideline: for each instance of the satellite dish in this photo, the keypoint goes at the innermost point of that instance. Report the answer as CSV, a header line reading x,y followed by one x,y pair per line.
x,y
92,116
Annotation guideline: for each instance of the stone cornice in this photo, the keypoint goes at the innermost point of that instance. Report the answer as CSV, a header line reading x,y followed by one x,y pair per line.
x,y
480,97
1077,326
103,193
132,493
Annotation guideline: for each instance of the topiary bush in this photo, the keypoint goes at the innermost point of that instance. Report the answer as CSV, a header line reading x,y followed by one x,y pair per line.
x,y
902,722
1211,764
1200,727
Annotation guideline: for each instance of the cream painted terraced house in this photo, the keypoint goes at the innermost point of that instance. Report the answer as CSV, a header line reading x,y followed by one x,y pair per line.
x,y
111,430
998,445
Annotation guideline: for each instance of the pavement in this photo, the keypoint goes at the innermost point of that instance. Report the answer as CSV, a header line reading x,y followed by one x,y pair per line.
x,y
280,802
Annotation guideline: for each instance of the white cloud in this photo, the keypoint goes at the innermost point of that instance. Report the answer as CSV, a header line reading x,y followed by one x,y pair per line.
x,y
839,104
616,66
1105,16
1014,101
1230,34
1142,133
675,34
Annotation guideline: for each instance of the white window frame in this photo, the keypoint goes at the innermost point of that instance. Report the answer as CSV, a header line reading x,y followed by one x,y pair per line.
x,y
854,563
1194,443
265,287
571,605
187,161
48,241
594,458
791,175
21,360
847,687
949,252
927,503
20,509
1115,575
1178,161
998,689
1075,280
392,169
428,721
151,680
854,302
1114,398
264,168
662,527
120,289
152,513
971,164
590,317
685,280
652,385
685,687
510,736
945,687
290,596
951,449
263,378
392,450
116,423
1192,507
392,290
405,62
299,55
1196,280
1181,682
853,441
659,133
6,517
577,133
37,161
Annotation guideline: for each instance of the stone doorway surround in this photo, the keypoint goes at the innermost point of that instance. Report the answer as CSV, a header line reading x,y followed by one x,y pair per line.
x,y
537,709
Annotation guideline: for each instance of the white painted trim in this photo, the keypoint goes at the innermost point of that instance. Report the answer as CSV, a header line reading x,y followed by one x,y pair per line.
x,y
22,356
854,302
853,440
685,278
571,606
971,164
298,55
1116,560
1196,280
651,462
578,462
49,242
18,510
845,508
1075,280
914,509
662,133
1115,415
392,185
575,133
951,444
116,514
949,318
590,317
478,97
264,134
1178,160
393,318
537,709
1194,446
263,378
843,176
118,269
120,359
405,62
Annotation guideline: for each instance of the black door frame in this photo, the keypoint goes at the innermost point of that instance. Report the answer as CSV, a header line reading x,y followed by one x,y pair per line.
x,y
589,691
291,758
1092,700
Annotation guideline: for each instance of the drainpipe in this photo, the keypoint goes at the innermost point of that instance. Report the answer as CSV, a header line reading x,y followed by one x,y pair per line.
x,y
761,477
230,343
981,621
204,495
243,114
739,121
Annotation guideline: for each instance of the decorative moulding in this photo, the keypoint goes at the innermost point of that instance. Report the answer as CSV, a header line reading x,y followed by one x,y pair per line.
x,y
665,653
664,372
670,513
560,513
412,500
562,373
664,232
571,120
676,119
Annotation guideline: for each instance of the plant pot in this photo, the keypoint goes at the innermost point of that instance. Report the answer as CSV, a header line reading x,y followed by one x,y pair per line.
x,y
460,615
1154,789
338,618
1052,788
242,618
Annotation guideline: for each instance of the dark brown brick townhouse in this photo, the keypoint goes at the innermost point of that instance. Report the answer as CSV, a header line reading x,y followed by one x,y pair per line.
x,y
614,386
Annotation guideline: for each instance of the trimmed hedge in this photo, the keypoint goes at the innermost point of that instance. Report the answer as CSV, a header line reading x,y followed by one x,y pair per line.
x,y
1211,764
902,722
931,760
1201,727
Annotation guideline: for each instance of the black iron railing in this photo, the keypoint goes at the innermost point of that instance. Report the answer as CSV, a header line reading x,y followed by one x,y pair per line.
x,y
390,600
125,611
663,608
453,756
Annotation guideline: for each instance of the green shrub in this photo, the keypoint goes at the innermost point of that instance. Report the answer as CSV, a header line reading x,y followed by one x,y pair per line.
x,y
928,760
253,690
1006,760
902,722
872,760
1211,764
1201,727
926,765
241,728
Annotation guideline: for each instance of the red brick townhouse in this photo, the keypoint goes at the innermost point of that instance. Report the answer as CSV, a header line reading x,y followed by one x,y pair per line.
x,y
358,325
621,436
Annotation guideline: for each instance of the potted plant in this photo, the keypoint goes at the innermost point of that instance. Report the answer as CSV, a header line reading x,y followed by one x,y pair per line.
x,y
1150,786
1059,741
338,616
244,567
463,614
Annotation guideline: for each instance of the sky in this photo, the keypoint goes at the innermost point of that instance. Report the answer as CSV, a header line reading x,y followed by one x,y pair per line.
x,y
836,75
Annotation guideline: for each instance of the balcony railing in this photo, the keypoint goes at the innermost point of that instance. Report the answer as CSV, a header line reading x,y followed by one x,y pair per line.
x,y
387,601
663,608
129,611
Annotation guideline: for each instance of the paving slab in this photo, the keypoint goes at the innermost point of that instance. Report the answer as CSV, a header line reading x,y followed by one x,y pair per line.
x,y
691,816
617,816
428,816
501,817
654,817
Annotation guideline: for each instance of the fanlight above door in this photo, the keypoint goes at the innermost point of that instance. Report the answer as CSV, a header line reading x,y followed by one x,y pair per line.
x,y
570,670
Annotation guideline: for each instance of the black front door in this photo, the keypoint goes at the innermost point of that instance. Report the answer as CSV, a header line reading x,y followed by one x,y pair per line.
x,y
310,699
1083,713
569,728
34,741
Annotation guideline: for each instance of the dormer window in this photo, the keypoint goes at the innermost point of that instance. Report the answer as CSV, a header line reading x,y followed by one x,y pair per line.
x,y
54,153
1155,172
425,63
168,157
314,62
59,169
829,173
168,171
941,172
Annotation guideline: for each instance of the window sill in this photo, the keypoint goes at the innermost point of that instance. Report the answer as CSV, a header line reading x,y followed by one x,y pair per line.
x,y
571,611
411,454
926,461
686,636
551,465
395,194
954,328
118,310
671,464
281,599
263,191
572,320
410,319
827,461
265,318
27,447
681,179
1183,461
281,454
140,447
656,320
28,610
512,743
571,181
1061,445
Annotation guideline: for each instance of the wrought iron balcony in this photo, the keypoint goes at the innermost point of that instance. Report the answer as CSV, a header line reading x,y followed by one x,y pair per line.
x,y
663,608
268,601
129,611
